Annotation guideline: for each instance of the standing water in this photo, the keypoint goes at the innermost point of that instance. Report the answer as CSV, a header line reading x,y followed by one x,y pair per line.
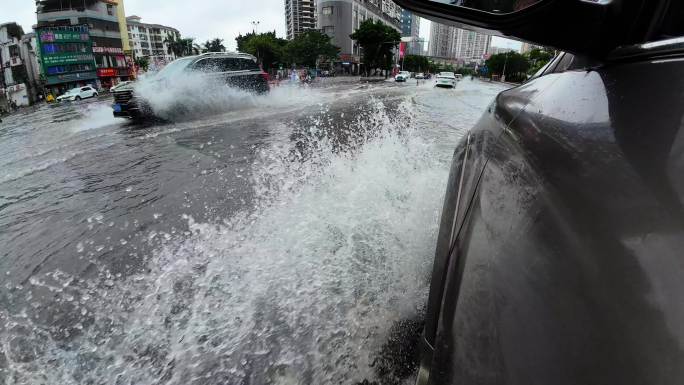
x,y
286,241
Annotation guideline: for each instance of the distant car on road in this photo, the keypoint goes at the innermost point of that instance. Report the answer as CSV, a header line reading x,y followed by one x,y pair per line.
x,y
402,76
122,84
459,77
446,79
79,93
420,75
239,70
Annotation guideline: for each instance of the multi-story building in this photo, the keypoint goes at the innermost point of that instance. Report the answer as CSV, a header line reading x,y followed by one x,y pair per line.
x,y
92,28
471,46
151,41
527,47
300,15
13,89
340,18
441,40
456,43
493,50
410,24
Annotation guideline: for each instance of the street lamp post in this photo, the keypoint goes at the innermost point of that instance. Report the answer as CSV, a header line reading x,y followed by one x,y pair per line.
x,y
255,25
503,75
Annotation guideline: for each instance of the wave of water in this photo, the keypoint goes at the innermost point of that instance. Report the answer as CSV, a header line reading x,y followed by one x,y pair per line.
x,y
301,288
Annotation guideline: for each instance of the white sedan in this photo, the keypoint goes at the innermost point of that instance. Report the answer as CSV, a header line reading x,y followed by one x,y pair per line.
x,y
446,79
402,76
121,84
78,94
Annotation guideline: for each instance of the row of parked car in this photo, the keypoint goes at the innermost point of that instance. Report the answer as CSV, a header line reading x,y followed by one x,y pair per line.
x,y
443,79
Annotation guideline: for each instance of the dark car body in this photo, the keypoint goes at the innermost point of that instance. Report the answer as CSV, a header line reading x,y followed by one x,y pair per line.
x,y
232,69
560,254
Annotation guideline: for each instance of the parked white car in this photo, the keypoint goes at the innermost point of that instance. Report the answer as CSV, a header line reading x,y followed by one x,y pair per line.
x,y
459,77
402,76
446,79
420,75
78,94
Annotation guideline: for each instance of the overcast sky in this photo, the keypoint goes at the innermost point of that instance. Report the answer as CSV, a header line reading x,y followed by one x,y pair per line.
x,y
201,19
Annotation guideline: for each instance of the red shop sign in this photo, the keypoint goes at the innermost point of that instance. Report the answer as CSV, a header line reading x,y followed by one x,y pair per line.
x,y
106,72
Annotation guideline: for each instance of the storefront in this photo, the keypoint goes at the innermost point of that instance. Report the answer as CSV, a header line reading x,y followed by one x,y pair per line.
x,y
66,57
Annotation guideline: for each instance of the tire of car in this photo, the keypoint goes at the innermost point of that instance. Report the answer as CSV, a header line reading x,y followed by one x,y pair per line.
x,y
77,98
94,94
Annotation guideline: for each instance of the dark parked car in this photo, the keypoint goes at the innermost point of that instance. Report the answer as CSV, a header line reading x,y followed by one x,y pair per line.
x,y
560,255
234,69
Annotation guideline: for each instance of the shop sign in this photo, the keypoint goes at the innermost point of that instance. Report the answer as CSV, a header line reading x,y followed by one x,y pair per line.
x,y
106,72
62,36
108,50
66,58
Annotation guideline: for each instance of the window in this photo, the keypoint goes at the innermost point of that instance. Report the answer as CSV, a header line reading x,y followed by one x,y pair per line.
x,y
110,10
327,10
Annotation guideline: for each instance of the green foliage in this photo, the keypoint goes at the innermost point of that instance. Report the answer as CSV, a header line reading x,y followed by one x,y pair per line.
x,y
377,41
538,58
267,48
415,63
181,47
514,64
214,45
308,47
143,62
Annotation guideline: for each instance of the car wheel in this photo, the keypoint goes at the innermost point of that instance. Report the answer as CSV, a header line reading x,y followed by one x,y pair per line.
x,y
94,94
77,98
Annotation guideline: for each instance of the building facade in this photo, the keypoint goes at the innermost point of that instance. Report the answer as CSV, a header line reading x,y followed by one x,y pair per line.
x,y
467,47
410,24
414,45
340,18
151,41
527,47
13,74
77,30
300,16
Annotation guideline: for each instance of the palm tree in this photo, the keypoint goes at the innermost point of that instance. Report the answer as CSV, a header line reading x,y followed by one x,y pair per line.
x,y
214,45
174,45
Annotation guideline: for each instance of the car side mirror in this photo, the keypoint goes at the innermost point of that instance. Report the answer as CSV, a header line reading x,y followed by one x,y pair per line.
x,y
588,27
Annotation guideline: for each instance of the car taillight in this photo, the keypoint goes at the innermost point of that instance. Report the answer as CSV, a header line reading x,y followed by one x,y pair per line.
x,y
265,76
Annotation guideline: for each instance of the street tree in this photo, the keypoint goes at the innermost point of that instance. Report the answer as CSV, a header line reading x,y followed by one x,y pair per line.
x,y
308,48
214,45
267,48
175,45
377,41
416,63
538,58
143,63
512,63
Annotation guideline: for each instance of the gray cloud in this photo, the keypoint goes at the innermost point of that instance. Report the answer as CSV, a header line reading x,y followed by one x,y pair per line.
x,y
201,19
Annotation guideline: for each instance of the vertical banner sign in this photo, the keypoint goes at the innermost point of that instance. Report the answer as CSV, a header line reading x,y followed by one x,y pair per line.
x,y
402,50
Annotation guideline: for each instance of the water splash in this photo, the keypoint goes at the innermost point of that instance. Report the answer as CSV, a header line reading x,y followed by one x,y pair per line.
x,y
303,287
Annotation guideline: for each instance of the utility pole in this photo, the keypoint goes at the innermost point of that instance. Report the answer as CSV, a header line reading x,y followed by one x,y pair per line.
x,y
503,75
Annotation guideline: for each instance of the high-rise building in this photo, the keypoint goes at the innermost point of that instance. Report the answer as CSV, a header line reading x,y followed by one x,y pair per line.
x,y
456,43
151,41
300,15
527,47
441,40
340,18
79,39
470,46
12,70
410,24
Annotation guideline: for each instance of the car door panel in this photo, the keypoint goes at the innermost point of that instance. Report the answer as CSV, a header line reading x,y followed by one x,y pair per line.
x,y
567,267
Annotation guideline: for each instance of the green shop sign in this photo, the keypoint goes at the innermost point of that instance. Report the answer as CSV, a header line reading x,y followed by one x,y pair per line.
x,y
57,36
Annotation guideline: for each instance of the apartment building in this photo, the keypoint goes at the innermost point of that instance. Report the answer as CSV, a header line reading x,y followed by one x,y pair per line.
x,y
81,43
410,24
340,18
455,43
300,15
151,41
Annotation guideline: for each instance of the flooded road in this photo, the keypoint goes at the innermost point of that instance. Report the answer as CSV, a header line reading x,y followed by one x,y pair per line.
x,y
285,241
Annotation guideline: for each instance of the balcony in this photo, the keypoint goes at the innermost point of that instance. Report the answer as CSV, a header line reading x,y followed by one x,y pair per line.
x,y
15,61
